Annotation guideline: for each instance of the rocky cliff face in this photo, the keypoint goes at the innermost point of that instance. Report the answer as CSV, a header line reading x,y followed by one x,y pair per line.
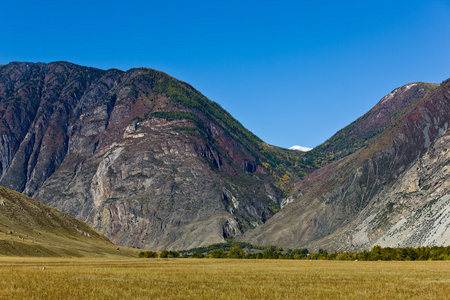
x,y
140,156
393,191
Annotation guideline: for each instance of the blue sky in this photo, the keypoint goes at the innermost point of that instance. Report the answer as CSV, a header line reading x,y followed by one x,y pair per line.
x,y
293,72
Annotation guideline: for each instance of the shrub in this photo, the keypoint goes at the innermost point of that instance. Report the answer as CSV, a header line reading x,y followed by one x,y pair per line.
x,y
236,252
169,254
198,255
148,254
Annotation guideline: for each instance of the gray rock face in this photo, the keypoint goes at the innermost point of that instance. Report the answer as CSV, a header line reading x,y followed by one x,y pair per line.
x,y
415,210
138,155
393,192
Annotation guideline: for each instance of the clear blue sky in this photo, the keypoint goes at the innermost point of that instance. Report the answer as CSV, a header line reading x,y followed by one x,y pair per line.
x,y
293,72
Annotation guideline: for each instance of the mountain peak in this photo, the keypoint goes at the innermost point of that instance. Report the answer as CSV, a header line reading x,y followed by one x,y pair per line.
x,y
300,148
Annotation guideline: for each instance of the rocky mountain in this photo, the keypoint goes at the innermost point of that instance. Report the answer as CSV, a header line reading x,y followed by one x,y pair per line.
x,y
151,163
140,156
31,228
384,180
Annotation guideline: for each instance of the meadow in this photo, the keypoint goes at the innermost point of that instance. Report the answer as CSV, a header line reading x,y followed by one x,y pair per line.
x,y
101,278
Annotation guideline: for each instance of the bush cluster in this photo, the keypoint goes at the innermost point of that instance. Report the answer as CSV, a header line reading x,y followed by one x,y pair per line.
x,y
169,254
148,254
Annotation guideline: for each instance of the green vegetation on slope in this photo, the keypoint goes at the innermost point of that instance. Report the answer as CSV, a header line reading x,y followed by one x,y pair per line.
x,y
284,165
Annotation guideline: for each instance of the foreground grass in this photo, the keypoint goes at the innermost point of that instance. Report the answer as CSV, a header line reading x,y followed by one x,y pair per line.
x,y
79,278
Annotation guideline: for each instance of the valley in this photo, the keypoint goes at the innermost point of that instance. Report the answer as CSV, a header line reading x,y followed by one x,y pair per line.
x,y
150,163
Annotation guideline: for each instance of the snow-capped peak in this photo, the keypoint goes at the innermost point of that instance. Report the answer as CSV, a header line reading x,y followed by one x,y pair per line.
x,y
300,148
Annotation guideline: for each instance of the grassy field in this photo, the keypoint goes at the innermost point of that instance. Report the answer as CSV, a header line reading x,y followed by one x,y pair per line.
x,y
84,278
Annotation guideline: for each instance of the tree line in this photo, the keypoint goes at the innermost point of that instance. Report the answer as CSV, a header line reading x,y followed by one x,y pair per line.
x,y
377,253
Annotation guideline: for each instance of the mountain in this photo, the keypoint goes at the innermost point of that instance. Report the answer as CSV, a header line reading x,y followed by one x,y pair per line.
x,y
31,228
142,157
300,148
384,180
150,162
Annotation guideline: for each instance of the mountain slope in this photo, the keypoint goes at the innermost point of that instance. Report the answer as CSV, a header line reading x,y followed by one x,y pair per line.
x,y
142,157
368,197
31,228
360,132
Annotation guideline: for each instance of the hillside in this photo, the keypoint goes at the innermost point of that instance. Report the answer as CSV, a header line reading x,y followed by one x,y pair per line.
x,y
392,192
31,228
140,156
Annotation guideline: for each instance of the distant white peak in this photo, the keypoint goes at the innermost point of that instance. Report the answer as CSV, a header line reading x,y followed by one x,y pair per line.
x,y
300,148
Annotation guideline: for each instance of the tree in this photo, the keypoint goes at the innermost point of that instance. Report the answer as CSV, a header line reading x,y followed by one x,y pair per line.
x,y
236,252
323,251
173,254
217,254
364,255
197,255
375,253
164,254
148,254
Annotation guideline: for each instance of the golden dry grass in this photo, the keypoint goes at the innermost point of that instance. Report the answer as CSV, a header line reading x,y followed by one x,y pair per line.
x,y
31,228
83,278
